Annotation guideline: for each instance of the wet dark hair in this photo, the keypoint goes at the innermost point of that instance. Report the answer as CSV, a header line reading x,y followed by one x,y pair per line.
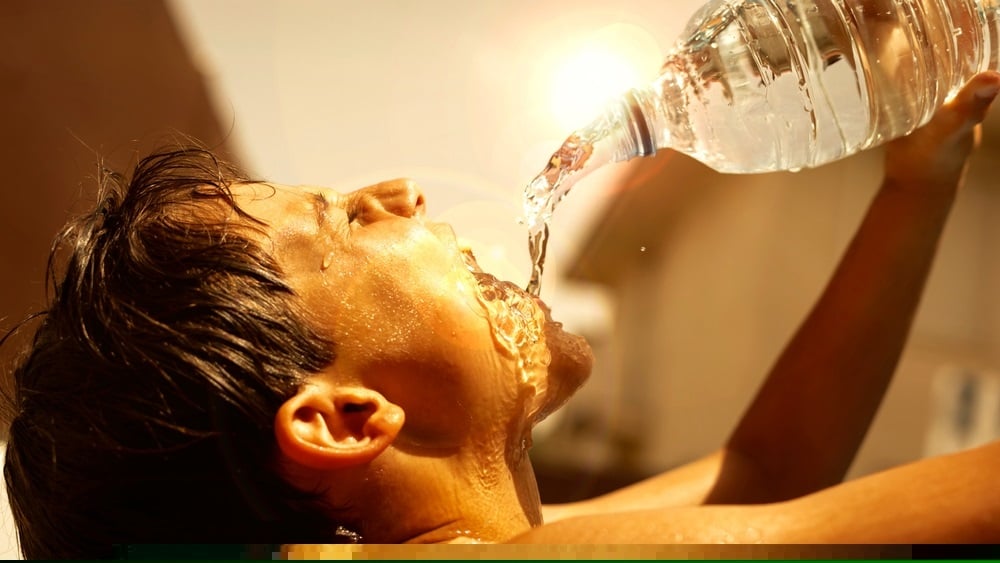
x,y
143,410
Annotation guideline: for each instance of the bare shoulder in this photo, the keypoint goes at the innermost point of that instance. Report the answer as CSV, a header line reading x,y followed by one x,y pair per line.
x,y
948,499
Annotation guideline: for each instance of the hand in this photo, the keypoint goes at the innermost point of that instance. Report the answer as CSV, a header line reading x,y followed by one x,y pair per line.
x,y
933,158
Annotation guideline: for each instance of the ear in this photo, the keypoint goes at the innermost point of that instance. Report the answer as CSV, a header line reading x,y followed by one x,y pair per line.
x,y
332,427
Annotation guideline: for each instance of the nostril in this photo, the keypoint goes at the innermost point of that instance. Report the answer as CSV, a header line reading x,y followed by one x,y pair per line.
x,y
395,198
404,198
419,204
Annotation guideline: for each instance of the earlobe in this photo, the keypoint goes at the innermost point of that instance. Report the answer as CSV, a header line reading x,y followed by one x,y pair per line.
x,y
333,427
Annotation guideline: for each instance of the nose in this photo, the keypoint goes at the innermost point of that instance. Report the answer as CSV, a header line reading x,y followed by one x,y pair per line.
x,y
387,200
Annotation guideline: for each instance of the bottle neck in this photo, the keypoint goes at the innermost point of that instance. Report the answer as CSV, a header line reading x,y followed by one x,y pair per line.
x,y
638,125
658,114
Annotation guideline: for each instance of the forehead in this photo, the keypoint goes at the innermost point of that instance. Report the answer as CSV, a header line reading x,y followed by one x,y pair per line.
x,y
269,199
279,205
294,220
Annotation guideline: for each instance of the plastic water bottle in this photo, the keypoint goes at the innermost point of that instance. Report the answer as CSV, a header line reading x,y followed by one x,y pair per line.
x,y
766,85
763,85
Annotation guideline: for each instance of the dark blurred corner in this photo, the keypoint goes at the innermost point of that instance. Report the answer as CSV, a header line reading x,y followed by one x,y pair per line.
x,y
81,81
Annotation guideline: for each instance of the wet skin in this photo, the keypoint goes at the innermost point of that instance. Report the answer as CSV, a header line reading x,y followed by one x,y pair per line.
x,y
399,297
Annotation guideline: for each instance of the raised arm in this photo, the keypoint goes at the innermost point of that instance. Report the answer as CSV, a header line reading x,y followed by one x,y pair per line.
x,y
806,423
803,429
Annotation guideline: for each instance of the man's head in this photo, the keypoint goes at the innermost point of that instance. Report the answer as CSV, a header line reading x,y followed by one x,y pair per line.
x,y
422,336
225,360
412,316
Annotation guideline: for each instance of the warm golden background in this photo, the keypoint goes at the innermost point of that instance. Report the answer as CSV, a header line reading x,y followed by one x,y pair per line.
x,y
686,282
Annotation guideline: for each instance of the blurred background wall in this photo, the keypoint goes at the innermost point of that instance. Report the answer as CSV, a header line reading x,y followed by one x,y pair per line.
x,y
686,282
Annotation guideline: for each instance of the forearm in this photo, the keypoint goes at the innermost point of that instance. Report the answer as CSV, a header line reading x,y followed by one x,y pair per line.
x,y
806,423
942,500
687,485
947,499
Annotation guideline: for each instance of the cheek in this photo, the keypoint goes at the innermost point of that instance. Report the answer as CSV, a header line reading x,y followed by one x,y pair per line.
x,y
400,306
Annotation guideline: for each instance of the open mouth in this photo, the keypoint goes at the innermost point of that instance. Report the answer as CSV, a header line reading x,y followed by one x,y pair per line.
x,y
491,287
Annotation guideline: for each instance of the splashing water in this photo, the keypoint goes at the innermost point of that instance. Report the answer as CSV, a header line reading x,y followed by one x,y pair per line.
x,y
516,323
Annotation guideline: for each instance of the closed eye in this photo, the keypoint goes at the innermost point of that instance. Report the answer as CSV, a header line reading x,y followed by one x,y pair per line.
x,y
321,206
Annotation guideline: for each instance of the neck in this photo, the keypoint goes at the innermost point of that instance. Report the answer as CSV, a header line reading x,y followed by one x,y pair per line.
x,y
466,497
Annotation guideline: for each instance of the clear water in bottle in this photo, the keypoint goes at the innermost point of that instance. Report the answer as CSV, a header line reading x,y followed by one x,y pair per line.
x,y
765,85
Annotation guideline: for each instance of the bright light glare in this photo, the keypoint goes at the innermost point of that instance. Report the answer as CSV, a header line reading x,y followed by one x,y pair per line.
x,y
611,61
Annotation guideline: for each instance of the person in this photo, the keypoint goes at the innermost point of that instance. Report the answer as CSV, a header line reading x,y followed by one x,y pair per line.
x,y
228,360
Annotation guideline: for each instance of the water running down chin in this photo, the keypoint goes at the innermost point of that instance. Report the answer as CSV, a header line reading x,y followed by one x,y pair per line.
x,y
517,324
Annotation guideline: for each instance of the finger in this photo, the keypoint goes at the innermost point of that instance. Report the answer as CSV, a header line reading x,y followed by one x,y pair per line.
x,y
973,101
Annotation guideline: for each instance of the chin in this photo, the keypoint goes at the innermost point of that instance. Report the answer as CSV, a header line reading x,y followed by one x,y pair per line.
x,y
571,356
572,360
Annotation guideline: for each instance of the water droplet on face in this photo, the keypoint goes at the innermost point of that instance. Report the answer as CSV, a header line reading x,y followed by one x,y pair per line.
x,y
327,261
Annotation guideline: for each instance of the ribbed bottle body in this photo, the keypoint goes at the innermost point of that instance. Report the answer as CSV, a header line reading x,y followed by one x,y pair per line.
x,y
764,85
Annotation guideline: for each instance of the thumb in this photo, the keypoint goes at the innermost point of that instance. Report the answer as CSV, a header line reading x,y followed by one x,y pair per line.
x,y
972,102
